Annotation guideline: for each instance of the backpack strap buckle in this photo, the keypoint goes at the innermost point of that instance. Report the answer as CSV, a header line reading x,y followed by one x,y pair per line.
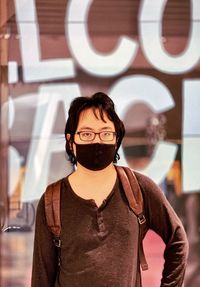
x,y
141,219
57,242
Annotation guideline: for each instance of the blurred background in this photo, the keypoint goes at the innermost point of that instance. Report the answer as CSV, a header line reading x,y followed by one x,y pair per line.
x,y
146,56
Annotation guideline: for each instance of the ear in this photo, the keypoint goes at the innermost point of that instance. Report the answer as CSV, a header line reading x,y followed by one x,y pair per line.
x,y
68,137
116,143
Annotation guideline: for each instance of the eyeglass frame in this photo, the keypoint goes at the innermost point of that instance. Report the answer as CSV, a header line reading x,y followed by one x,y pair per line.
x,y
95,133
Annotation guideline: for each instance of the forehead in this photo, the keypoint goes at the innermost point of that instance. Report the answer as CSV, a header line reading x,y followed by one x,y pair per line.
x,y
89,119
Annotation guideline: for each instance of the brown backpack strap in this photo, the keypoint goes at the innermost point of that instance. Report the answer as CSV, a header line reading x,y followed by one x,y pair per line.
x,y
135,199
52,210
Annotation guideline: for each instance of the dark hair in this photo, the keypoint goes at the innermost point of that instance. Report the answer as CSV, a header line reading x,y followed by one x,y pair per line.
x,y
99,101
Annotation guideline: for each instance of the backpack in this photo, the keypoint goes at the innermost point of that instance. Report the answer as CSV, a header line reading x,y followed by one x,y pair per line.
x,y
134,197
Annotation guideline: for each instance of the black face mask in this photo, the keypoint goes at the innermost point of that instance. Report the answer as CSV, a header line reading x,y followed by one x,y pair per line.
x,y
95,156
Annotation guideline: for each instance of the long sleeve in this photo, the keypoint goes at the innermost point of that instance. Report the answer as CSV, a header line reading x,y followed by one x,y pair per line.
x,y
163,220
44,268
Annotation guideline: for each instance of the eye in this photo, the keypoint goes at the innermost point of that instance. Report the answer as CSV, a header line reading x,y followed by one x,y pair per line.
x,y
107,134
87,135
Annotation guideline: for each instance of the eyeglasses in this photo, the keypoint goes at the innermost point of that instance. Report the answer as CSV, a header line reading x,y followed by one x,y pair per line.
x,y
88,136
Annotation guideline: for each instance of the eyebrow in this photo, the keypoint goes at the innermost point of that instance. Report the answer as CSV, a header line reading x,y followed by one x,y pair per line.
x,y
91,129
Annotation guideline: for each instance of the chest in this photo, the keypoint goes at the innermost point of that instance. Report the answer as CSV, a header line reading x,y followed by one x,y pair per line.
x,y
98,241
85,224
96,192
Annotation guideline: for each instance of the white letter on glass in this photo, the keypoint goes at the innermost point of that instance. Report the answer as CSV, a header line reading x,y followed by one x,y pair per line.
x,y
34,69
90,60
150,23
191,136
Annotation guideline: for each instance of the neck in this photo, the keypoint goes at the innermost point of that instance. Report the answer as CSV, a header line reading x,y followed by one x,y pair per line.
x,y
92,175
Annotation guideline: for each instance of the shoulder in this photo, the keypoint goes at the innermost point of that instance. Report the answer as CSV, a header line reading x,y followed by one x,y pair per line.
x,y
149,188
55,187
52,187
54,184
152,193
145,181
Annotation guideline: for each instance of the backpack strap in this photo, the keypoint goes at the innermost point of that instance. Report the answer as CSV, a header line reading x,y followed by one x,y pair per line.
x,y
135,199
52,210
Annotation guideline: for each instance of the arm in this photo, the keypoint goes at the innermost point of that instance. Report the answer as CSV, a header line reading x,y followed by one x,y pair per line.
x,y
45,254
163,220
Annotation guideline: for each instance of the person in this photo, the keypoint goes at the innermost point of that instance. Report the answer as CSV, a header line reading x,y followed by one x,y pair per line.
x,y
99,231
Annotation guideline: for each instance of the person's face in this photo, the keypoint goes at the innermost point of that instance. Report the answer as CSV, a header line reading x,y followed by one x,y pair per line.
x,y
87,133
89,122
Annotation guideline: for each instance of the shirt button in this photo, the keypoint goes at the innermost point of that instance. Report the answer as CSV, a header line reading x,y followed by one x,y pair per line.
x,y
100,220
